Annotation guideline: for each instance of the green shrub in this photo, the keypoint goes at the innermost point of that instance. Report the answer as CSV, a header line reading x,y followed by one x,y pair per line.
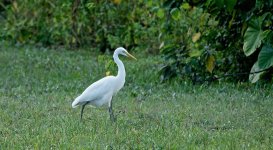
x,y
102,24
241,27
37,21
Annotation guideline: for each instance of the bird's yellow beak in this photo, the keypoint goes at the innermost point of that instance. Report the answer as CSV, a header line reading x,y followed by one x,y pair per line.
x,y
128,54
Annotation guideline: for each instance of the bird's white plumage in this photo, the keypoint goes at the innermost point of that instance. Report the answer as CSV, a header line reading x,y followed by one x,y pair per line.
x,y
99,92
102,91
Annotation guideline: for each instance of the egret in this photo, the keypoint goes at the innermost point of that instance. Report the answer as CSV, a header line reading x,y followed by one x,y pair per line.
x,y
102,91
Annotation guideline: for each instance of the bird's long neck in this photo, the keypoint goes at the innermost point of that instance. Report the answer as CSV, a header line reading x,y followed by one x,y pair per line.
x,y
121,69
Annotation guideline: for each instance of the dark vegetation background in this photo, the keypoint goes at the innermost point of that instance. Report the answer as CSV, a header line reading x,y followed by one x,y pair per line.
x,y
200,40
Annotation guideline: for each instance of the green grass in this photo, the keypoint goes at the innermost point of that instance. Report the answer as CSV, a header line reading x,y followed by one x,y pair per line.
x,y
37,87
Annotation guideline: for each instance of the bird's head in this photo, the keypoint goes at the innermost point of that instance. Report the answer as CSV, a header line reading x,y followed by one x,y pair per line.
x,y
123,52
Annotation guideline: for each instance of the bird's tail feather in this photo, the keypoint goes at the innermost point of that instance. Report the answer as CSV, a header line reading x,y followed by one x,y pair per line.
x,y
75,102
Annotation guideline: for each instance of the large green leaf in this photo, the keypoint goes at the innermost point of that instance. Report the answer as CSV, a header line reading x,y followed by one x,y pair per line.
x,y
254,35
265,58
254,77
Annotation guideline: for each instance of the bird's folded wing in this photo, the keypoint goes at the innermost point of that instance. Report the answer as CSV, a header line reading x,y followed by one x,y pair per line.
x,y
95,91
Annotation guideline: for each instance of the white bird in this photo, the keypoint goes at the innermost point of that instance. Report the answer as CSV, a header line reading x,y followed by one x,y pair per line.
x,y
103,90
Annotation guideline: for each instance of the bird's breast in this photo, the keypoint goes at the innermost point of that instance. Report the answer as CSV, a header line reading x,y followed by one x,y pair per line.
x,y
119,85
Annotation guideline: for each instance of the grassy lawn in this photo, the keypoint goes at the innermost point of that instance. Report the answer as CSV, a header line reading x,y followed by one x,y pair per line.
x,y
37,87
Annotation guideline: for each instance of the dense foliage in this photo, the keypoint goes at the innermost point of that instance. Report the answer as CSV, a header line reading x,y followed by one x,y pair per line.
x,y
229,38
199,40
104,24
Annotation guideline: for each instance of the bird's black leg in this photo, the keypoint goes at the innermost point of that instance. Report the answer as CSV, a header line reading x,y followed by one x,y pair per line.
x,y
112,118
82,109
